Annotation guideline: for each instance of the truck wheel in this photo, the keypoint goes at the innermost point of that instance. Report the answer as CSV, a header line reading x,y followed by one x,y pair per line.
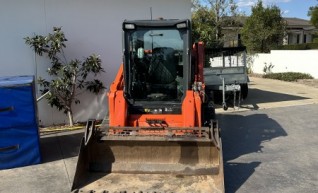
x,y
225,107
244,91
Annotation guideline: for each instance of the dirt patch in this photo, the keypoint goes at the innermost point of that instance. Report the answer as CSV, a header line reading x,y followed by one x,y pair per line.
x,y
309,82
255,75
152,183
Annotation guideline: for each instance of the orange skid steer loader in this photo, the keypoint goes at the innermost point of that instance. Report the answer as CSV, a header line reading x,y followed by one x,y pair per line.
x,y
161,136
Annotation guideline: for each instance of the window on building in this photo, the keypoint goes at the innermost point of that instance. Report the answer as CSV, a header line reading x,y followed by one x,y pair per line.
x,y
298,39
290,38
239,41
305,38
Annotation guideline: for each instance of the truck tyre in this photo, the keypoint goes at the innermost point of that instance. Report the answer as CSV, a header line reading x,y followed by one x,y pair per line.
x,y
244,91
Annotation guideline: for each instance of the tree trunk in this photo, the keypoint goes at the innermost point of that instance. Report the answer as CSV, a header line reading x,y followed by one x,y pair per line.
x,y
70,112
70,117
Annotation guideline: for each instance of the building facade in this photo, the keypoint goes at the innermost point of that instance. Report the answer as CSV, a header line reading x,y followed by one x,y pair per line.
x,y
90,26
298,31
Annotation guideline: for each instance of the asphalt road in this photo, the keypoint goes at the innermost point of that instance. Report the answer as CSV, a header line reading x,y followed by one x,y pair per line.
x,y
272,150
269,145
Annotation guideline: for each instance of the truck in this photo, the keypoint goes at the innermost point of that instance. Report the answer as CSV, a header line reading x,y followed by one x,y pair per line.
x,y
225,74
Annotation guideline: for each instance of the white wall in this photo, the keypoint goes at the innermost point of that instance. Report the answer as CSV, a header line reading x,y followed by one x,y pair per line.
x,y
305,61
90,26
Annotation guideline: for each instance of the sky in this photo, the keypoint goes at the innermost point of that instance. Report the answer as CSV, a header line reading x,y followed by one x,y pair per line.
x,y
289,8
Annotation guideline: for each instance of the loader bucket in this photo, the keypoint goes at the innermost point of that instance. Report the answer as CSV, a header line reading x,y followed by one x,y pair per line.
x,y
128,163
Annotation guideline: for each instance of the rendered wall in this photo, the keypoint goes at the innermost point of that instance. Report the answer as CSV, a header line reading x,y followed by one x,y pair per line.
x,y
90,26
305,61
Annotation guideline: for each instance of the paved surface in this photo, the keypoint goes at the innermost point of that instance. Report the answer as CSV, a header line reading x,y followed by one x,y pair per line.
x,y
54,175
267,93
272,150
269,146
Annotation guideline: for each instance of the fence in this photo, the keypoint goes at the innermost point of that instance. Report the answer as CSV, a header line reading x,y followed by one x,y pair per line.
x,y
305,61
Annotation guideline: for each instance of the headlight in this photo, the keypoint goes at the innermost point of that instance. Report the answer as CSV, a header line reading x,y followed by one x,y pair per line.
x,y
181,25
129,26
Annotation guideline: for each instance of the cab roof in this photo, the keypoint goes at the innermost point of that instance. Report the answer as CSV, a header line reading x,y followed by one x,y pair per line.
x,y
157,23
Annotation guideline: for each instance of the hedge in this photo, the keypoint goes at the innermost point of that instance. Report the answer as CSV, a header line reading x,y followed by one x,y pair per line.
x,y
288,76
307,46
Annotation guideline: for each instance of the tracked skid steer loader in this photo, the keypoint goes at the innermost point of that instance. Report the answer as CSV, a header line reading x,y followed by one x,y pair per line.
x,y
161,136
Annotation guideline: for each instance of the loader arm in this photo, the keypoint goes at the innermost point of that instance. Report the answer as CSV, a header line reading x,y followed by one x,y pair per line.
x,y
116,102
118,83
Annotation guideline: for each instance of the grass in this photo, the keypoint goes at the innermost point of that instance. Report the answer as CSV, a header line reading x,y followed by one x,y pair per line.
x,y
288,76
65,127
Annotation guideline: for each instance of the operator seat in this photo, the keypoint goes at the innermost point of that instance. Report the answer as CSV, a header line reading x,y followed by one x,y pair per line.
x,y
163,70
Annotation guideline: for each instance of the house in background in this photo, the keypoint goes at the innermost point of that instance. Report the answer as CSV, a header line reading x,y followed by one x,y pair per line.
x,y
231,31
298,31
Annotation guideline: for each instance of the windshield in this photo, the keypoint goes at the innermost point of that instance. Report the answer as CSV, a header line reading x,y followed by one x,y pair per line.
x,y
156,64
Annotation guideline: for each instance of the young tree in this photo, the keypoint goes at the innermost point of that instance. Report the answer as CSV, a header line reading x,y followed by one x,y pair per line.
x,y
67,77
203,27
221,9
313,13
264,29
208,18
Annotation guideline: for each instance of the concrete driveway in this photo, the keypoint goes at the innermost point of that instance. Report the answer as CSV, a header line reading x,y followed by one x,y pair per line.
x,y
271,150
267,93
54,175
269,145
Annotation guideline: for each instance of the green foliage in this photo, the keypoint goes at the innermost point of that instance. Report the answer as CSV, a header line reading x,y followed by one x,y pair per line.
x,y
313,13
288,76
208,17
264,29
268,68
203,27
315,37
67,78
249,63
307,46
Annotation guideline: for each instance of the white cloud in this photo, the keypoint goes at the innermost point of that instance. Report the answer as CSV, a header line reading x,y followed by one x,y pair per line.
x,y
248,3
276,1
285,12
245,3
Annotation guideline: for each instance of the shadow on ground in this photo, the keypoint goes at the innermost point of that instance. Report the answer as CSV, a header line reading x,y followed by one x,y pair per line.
x,y
60,146
260,96
241,135
244,135
257,96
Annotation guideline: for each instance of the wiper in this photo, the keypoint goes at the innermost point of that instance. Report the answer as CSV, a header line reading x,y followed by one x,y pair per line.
x,y
156,34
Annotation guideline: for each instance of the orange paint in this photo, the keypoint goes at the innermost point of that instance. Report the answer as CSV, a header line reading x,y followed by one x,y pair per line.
x,y
191,105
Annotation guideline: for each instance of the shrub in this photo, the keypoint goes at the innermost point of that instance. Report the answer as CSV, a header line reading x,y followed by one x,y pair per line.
x,y
288,76
68,78
307,46
268,68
